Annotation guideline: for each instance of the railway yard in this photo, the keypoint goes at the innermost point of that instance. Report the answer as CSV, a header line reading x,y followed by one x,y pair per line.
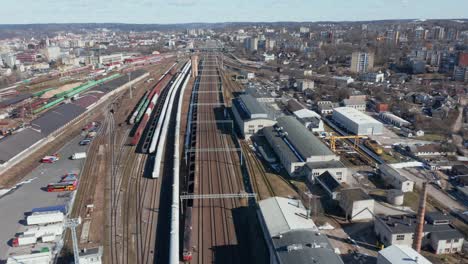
x,y
167,173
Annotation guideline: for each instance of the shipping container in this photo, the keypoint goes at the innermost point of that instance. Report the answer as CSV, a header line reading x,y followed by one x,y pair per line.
x,y
62,208
45,218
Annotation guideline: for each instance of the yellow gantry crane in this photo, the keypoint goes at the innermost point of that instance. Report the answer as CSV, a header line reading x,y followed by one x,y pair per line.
x,y
356,138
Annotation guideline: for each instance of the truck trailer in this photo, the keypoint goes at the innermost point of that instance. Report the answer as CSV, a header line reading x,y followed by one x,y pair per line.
x,y
43,218
35,258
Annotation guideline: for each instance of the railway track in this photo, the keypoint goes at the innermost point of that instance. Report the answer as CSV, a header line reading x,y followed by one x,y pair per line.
x,y
216,172
257,174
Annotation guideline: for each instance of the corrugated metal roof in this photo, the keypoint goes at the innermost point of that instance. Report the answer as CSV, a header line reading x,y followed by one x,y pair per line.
x,y
304,142
12,145
252,106
356,116
56,118
282,215
403,254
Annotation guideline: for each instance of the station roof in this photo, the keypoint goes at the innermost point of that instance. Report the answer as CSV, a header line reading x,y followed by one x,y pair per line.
x,y
282,215
13,145
56,118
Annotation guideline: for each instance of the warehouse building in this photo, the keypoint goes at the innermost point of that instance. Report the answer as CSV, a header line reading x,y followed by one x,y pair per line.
x,y
291,236
356,204
334,167
295,145
308,118
400,254
438,232
393,119
393,178
357,122
250,115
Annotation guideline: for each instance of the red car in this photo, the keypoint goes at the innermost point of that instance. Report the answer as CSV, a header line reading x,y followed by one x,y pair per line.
x,y
50,159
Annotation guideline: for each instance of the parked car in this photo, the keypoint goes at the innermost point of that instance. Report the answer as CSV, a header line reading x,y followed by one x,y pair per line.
x,y
85,142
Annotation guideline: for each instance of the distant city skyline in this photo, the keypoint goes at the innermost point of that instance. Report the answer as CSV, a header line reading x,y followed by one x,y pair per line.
x,y
210,11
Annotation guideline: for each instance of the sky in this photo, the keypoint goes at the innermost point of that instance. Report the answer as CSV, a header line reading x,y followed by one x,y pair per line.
x,y
185,11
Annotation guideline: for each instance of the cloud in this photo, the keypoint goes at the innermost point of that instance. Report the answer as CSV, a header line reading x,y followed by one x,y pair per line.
x,y
182,3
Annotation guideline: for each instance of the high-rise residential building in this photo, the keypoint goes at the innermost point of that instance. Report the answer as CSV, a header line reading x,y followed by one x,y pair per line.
x,y
392,36
9,59
251,43
270,44
452,34
52,53
420,33
362,62
463,59
304,30
438,33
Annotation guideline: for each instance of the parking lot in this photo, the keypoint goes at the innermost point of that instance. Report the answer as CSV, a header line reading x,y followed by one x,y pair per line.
x,y
31,193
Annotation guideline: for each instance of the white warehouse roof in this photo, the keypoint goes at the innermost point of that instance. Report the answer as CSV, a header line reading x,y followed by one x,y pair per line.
x,y
402,254
356,116
282,215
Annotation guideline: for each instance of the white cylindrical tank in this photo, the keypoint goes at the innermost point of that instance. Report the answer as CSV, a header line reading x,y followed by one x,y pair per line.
x,y
395,197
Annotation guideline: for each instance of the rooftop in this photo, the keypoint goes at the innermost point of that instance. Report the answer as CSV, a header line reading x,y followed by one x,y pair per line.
x,y
402,254
357,116
403,224
325,164
355,194
249,108
282,215
301,139
305,246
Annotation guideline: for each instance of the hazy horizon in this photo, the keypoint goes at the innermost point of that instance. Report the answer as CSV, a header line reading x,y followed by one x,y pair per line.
x,y
222,11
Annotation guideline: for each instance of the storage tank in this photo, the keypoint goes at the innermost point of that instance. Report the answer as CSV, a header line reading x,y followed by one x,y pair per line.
x,y
395,197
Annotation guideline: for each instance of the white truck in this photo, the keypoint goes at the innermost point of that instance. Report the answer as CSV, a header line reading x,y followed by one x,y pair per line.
x,y
42,218
24,240
78,155
41,231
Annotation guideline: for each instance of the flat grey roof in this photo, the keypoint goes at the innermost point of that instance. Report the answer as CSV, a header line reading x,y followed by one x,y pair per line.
x,y
355,194
252,106
12,145
446,235
56,118
305,246
399,224
303,141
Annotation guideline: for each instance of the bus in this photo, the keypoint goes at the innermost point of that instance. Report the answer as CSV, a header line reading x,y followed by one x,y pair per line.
x,y
62,186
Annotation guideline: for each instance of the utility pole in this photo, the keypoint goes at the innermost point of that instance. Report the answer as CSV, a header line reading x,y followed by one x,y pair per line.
x,y
131,88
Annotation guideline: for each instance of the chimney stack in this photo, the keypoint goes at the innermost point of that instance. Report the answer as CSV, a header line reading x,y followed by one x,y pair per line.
x,y
420,220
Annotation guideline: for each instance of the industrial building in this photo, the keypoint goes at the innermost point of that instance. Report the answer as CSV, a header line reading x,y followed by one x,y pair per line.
x,y
356,204
334,167
295,145
393,178
307,117
250,115
438,232
291,236
400,254
356,122
393,119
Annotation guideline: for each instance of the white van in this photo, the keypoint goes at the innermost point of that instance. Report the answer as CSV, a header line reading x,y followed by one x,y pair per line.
x,y
79,155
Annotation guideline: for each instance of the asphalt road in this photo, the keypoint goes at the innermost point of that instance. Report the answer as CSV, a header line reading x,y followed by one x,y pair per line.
x,y
30,194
